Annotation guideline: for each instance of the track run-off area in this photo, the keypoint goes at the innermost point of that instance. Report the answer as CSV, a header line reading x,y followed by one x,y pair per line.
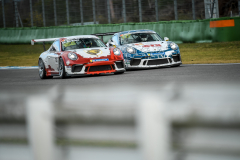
x,y
185,74
106,108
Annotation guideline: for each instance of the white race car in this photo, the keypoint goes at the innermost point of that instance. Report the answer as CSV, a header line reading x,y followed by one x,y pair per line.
x,y
145,49
78,55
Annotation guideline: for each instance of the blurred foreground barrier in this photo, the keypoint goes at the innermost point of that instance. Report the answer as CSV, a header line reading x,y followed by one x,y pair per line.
x,y
188,31
40,128
171,122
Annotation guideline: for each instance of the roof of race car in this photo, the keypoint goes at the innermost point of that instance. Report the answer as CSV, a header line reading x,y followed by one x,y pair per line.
x,y
136,31
123,32
69,37
81,36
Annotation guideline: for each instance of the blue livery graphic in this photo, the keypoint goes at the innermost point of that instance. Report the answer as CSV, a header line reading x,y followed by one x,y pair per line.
x,y
146,49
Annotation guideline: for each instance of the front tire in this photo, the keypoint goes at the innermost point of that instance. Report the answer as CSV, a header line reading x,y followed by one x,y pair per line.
x,y
62,72
118,72
176,65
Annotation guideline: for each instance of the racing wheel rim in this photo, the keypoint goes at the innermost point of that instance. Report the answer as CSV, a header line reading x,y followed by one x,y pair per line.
x,y
41,68
61,68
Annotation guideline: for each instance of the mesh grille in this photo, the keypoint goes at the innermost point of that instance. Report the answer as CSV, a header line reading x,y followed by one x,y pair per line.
x,y
135,62
157,62
77,68
100,68
119,64
176,58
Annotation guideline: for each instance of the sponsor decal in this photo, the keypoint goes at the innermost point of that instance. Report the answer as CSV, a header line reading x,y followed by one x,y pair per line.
x,y
138,44
152,45
99,60
95,52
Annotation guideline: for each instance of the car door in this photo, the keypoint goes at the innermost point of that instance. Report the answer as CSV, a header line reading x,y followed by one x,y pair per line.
x,y
53,57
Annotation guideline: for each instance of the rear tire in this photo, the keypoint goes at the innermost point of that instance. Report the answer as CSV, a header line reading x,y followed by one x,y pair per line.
x,y
62,72
49,77
41,69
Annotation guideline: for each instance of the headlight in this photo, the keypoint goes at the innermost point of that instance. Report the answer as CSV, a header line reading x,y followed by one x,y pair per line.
x,y
116,51
72,56
173,46
130,50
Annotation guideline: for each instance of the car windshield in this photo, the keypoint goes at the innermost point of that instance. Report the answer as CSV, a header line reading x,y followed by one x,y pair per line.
x,y
70,44
139,37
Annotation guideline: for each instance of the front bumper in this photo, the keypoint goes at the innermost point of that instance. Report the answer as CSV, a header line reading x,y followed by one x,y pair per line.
x,y
147,63
173,60
95,68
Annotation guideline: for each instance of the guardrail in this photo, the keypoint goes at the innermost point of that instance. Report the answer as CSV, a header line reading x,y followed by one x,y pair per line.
x,y
160,122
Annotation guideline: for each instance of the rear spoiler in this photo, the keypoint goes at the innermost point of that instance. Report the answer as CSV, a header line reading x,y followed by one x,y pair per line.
x,y
43,40
104,34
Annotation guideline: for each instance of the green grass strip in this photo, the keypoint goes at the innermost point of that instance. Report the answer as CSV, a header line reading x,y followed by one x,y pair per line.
x,y
192,53
208,53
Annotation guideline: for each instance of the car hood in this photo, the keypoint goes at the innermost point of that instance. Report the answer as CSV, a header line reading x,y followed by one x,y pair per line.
x,y
93,52
150,46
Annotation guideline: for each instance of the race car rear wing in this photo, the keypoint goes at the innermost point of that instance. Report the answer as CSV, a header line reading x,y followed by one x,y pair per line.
x,y
43,40
104,34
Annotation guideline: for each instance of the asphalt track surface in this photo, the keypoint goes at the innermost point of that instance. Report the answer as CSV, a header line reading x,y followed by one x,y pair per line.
x,y
185,74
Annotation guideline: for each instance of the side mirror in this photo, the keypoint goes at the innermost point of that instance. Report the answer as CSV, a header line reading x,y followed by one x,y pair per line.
x,y
53,49
166,39
112,44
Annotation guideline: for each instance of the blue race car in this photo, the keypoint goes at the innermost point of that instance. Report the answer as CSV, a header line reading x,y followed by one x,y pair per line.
x,y
145,49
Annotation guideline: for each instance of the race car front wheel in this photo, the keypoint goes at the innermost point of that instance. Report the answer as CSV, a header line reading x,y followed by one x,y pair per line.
x,y
62,73
119,72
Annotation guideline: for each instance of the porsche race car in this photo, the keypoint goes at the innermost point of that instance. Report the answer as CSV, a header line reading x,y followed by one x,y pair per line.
x,y
145,49
78,55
